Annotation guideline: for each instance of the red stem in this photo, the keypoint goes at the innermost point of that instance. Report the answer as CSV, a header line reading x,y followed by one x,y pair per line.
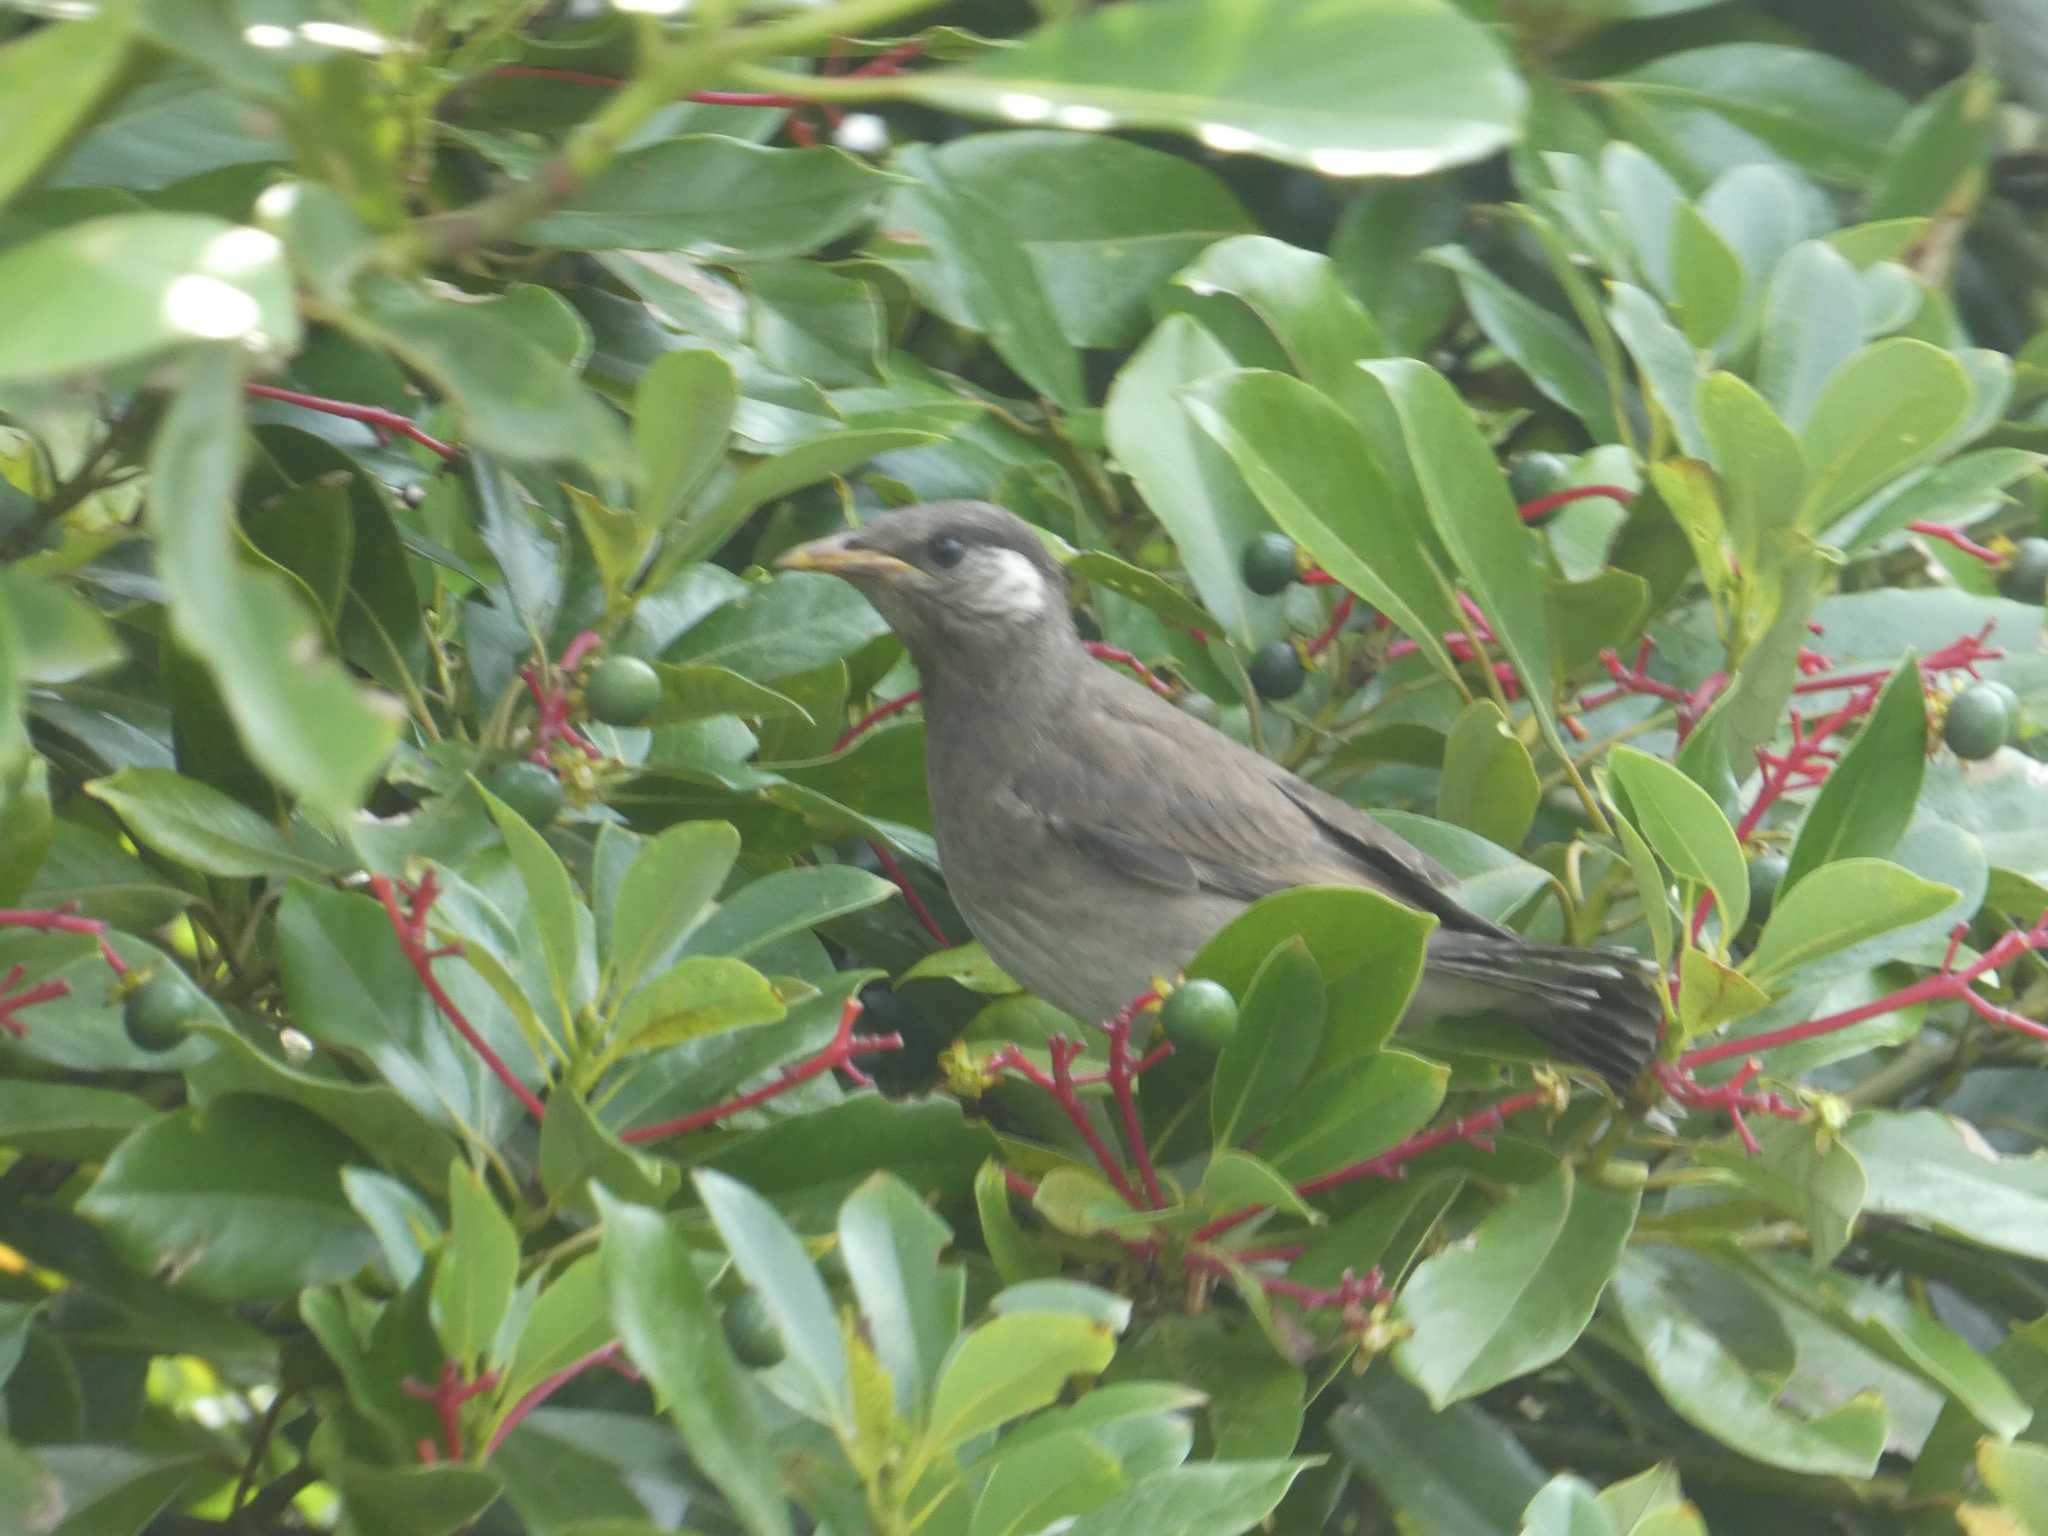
x,y
1120,1077
411,929
1952,535
602,1355
1060,1087
875,717
448,1394
1339,617
1389,1164
844,1046
374,415
1144,673
1531,510
911,899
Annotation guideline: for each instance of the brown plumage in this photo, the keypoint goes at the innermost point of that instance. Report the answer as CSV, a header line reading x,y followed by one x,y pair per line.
x,y
1094,836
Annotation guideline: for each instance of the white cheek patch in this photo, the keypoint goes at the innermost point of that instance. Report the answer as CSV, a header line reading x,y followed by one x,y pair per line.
x,y
1006,585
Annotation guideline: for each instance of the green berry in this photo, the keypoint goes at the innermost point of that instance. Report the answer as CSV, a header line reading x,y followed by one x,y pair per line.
x,y
1534,476
1978,723
1766,874
1199,1016
2025,577
2012,704
1277,671
1271,563
751,1333
622,690
531,790
157,1013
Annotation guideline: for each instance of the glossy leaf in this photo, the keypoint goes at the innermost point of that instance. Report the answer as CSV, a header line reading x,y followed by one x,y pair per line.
x,y
1838,905
1867,802
473,1282
199,826
1558,359
669,1327
1489,783
665,893
1687,830
1928,1168
1763,472
1011,1366
1437,92
1263,1063
910,1303
1886,410
1515,1294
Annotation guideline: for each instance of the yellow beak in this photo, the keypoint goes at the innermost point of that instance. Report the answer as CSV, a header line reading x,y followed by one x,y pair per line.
x,y
840,555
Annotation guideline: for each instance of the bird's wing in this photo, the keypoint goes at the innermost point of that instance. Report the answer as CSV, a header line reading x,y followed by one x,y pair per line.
x,y
1162,799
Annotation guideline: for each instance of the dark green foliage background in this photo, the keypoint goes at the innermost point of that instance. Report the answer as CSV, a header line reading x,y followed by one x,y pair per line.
x,y
1163,276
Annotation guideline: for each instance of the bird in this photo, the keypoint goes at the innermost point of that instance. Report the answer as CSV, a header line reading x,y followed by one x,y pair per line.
x,y
1093,835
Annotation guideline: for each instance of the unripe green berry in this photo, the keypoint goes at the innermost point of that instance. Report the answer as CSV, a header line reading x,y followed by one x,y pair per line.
x,y
2025,577
622,690
1199,1016
751,1333
157,1014
1277,670
1271,563
1978,723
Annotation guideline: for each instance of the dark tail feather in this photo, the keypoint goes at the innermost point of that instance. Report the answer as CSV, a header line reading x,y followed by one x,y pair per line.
x,y
1596,1007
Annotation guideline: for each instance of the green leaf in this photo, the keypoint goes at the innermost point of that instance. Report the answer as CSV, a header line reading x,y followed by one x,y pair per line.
x,y
1651,887
1400,87
1043,1482
699,535
715,196
1710,994
1566,1506
67,1120
1186,477
577,1149
1669,366
1215,1498
772,1258
551,899
1814,1178
196,825
667,1322
700,995
474,1280
1235,1180
1517,1292
1489,783
1865,804
1354,1111
1938,152
1296,295
1011,1366
406,1501
786,902
998,284
50,82
1837,905
1017,1255
299,716
1316,474
126,287
1470,508
666,891
1687,830
1706,278
239,1201
2018,1474
1886,410
1266,1058
1454,1473
517,398
910,1304
1937,1171
568,1321
1549,349
682,414
1369,947
1813,323
690,693
1709,1385
1763,473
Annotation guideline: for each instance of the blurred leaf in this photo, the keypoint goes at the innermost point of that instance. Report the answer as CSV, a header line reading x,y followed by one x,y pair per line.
x,y
1266,1058
1687,830
1763,473
474,1280
681,414
910,1304
2018,1474
667,890
188,1195
1355,1111
1454,1473
50,82
1552,352
1935,162
1837,905
700,995
1866,803
1928,1168
199,826
716,196
1566,1506
1886,410
1705,1381
1489,784
1706,278
670,1328
700,534
1011,1366
1516,1293
1439,91
1038,1484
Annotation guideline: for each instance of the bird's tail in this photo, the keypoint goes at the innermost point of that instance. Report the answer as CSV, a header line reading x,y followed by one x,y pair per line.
x,y
1596,1007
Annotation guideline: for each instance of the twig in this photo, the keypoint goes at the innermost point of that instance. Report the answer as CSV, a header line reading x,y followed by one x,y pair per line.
x,y
1949,534
844,1046
604,1354
448,1394
1061,1088
1531,510
372,415
1124,658
1731,1098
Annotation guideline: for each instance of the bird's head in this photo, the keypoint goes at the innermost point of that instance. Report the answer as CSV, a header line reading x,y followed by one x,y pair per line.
x,y
950,576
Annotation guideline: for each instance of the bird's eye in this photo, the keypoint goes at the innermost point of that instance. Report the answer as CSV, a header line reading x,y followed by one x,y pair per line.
x,y
945,550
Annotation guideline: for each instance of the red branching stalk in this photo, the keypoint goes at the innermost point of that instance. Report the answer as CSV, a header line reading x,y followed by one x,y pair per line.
x,y
1061,1088
410,924
1123,658
1947,982
1392,1163
1949,534
448,1394
840,1051
1122,1072
1339,617
1959,655
1732,1098
12,1002
64,919
1353,1292
894,872
551,702
1531,510
373,415
1804,762
875,717
604,1354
